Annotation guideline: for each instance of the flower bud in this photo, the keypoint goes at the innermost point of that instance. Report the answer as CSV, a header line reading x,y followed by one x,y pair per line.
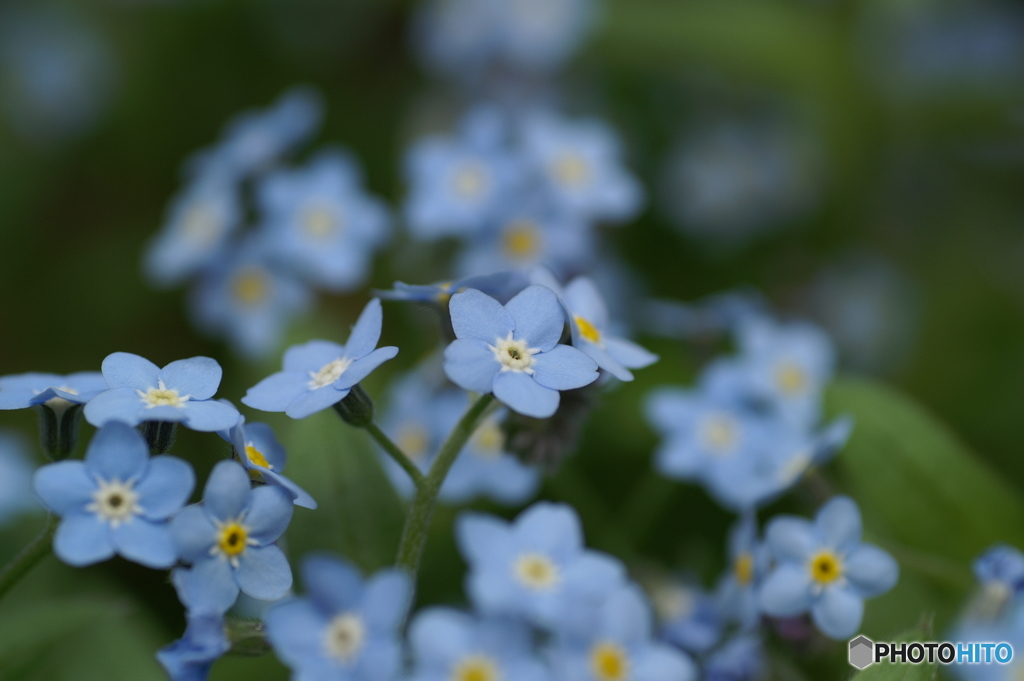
x,y
357,407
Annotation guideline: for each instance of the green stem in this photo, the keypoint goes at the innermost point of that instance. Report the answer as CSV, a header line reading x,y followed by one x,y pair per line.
x,y
392,450
20,565
417,523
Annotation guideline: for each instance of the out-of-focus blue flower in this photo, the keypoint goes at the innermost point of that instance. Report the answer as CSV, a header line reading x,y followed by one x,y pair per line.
x,y
199,222
618,645
582,165
257,448
739,659
535,567
688,616
321,223
319,374
248,300
20,391
457,183
823,567
448,645
190,657
117,501
513,350
737,589
181,392
345,628
15,478
501,286
229,540
1000,571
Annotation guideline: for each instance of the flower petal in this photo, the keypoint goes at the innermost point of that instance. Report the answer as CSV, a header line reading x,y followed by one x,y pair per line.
x,y
362,368
227,491
198,377
311,356
366,332
550,528
166,486
471,365
193,533
538,317
270,511
871,570
334,584
277,391
480,536
315,400
476,315
660,662
64,487
145,543
118,404
790,538
786,591
583,299
209,416
82,539
524,395
838,612
629,354
207,585
117,452
295,628
263,573
838,523
299,496
386,600
564,368
125,370
440,636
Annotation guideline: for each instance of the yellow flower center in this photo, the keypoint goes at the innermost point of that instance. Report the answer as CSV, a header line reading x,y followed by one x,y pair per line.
x,y
609,662
588,330
672,601
345,636
536,572
413,440
790,378
720,433
470,180
250,286
571,169
743,568
162,396
256,457
489,440
520,240
826,567
329,373
476,668
232,539
320,223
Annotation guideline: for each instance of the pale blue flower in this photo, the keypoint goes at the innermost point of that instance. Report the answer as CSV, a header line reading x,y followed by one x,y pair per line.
x,y
747,562
688,616
448,645
16,469
1008,629
1001,566
739,659
258,449
513,350
319,374
116,501
181,392
229,540
501,286
190,657
822,567
20,391
618,645
345,628
321,223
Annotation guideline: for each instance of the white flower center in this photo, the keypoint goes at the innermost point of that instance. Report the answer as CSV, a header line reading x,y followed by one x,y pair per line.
x,y
345,637
320,223
470,180
58,404
115,501
514,355
201,224
790,378
720,433
673,602
571,169
536,572
162,396
329,373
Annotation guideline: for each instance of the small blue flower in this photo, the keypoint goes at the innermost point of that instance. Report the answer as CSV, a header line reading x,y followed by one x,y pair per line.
x,y
739,659
181,392
737,589
448,645
321,223
823,567
229,540
345,629
618,645
501,286
117,501
581,163
319,374
513,350
15,478
190,657
689,617
247,299
1009,629
536,567
21,391
1000,571
256,448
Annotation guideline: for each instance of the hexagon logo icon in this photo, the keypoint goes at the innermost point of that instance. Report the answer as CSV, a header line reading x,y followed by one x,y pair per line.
x,y
861,652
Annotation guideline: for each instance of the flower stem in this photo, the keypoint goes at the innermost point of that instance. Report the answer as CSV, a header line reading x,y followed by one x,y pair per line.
x,y
22,563
392,450
417,522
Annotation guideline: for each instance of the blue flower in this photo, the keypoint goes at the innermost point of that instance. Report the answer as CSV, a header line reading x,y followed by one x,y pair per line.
x,y
229,540
248,300
190,657
15,478
256,448
1009,629
180,392
501,286
747,562
319,374
739,659
448,645
689,616
513,350
321,223
581,163
1000,571
345,628
117,501
618,645
823,567
21,391
536,567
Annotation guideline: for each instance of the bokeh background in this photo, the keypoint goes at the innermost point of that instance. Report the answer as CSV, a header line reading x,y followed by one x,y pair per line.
x,y
857,162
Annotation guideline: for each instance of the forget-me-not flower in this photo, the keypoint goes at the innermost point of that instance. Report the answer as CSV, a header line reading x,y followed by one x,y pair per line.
x,y
501,286
15,478
258,449
204,642
687,615
319,374
747,561
739,659
345,628
181,392
448,645
229,540
1000,572
823,567
20,391
321,223
512,350
118,500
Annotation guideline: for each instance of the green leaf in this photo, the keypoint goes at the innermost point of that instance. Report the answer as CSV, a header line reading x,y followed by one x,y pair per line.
x,y
884,671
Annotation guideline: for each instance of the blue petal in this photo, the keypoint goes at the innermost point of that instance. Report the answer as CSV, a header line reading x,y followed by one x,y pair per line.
x,y
366,332
227,491
270,511
471,365
379,660
263,573
296,629
478,316
193,533
198,377
164,413
277,391
362,368
524,395
314,401
481,536
564,368
669,408
207,585
386,600
64,487
552,528
583,299
786,591
871,570
601,356
145,543
626,617
166,487
335,585
838,612
660,662
678,458
117,452
210,415
125,370
838,523
538,317
299,496
790,538
311,356
439,637
118,404
82,539
629,354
